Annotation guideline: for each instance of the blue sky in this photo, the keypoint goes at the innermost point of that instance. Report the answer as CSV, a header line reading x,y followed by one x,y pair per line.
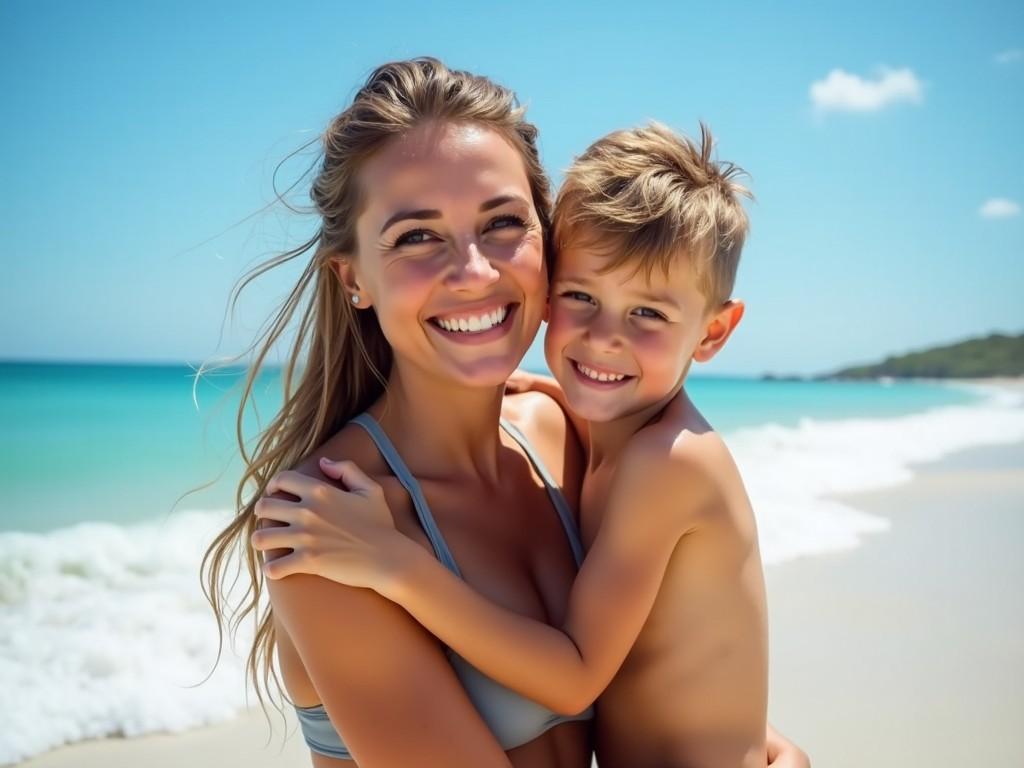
x,y
137,135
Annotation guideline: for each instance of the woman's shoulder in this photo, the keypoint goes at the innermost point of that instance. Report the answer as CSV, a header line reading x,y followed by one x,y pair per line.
x,y
350,443
545,425
537,416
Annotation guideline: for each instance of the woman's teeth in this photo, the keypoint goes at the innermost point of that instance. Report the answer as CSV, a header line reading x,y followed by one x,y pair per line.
x,y
475,323
590,373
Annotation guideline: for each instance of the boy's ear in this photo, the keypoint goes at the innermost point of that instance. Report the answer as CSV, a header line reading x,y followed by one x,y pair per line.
x,y
345,270
719,327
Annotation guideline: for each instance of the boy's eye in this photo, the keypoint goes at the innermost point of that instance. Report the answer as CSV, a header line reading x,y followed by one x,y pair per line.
x,y
414,237
647,312
577,296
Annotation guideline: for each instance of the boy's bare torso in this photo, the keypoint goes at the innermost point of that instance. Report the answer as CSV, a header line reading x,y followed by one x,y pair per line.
x,y
696,678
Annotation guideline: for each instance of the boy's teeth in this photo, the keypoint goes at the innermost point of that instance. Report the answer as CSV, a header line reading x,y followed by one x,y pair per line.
x,y
590,373
476,323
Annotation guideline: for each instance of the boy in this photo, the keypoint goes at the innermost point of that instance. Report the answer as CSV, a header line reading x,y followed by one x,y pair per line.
x,y
667,618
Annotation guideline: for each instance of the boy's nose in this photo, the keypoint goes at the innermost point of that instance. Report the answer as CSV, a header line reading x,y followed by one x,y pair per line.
x,y
472,269
602,334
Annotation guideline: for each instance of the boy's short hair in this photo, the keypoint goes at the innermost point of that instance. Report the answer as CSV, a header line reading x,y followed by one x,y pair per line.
x,y
648,196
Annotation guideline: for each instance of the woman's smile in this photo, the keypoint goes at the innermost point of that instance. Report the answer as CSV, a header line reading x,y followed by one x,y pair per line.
x,y
475,327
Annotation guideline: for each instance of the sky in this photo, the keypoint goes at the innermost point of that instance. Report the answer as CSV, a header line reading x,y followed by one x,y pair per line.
x,y
883,143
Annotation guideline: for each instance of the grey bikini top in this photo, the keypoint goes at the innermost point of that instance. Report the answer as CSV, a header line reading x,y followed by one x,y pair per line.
x,y
514,719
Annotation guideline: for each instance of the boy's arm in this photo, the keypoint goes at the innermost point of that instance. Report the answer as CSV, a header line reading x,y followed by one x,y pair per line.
x,y
656,498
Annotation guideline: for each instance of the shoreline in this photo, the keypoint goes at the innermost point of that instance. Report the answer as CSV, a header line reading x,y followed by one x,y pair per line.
x,y
906,650
880,624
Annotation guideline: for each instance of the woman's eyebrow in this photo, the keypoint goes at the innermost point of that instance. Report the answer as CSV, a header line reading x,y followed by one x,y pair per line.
x,y
494,202
432,213
422,215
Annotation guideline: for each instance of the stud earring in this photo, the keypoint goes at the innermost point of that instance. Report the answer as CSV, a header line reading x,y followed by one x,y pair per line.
x,y
355,298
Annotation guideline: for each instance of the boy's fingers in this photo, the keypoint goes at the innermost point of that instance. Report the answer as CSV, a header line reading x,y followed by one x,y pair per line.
x,y
273,538
352,476
276,509
290,481
283,566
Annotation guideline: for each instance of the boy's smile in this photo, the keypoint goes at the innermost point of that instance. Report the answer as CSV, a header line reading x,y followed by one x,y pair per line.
x,y
618,342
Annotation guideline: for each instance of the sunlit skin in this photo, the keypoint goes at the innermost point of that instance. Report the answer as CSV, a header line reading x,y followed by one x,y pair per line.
x,y
445,393
667,622
479,247
420,219
618,324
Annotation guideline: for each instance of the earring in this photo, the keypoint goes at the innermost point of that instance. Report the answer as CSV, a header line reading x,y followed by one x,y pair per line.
x,y
355,298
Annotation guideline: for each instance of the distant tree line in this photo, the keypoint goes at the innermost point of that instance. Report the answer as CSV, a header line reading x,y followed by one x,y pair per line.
x,y
995,355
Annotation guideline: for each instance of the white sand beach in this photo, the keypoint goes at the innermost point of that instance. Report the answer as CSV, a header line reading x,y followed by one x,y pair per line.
x,y
906,650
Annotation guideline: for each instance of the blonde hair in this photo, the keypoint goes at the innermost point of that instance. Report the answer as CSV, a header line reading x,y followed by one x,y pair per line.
x,y
347,358
648,196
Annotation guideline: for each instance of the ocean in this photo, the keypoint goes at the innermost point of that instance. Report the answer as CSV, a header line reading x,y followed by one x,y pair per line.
x,y
103,628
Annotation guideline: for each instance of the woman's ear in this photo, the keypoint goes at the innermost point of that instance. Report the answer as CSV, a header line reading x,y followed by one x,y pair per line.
x,y
346,272
719,327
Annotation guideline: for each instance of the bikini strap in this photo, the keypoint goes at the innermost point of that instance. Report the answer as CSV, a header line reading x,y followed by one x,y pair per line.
x,y
405,477
561,505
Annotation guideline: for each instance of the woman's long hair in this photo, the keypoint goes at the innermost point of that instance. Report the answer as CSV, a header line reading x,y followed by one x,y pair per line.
x,y
346,358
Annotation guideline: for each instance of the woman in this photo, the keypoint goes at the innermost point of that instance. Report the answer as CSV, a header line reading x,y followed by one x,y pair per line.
x,y
430,284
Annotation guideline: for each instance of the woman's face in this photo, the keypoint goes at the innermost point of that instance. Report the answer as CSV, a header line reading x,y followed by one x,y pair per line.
x,y
450,252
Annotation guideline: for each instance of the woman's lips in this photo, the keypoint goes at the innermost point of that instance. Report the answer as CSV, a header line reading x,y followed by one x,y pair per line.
x,y
474,323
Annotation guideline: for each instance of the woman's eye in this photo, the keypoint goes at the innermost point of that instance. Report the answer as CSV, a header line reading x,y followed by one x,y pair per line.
x,y
414,237
507,222
647,312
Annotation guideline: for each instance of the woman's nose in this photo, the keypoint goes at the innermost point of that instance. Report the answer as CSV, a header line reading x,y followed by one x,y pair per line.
x,y
472,269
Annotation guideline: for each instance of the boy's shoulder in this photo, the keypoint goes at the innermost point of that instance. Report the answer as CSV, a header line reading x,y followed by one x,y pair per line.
x,y
683,456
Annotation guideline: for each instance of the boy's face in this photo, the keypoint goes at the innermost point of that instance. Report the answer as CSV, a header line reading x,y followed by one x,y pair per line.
x,y
617,343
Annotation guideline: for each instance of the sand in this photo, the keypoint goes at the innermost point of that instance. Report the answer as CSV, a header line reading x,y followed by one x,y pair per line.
x,y
246,741
908,650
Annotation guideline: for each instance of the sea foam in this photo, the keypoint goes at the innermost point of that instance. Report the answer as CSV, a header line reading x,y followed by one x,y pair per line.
x,y
104,630
793,474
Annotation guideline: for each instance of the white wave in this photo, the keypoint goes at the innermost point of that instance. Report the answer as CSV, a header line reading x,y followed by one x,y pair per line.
x,y
793,473
104,631
103,628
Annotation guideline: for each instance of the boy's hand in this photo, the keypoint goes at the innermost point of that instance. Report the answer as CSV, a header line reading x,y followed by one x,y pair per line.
x,y
519,381
347,536
782,753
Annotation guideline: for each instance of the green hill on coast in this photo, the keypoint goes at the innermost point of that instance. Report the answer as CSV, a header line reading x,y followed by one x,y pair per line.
x,y
994,355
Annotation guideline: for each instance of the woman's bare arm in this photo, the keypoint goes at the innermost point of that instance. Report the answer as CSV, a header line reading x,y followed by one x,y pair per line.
x,y
387,687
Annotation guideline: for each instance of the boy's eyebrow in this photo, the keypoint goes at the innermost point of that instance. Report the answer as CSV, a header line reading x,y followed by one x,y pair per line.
x,y
658,298
432,213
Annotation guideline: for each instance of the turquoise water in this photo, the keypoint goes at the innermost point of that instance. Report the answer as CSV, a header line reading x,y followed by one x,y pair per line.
x,y
121,443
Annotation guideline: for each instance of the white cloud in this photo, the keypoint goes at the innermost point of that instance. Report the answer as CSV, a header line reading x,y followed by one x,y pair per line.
x,y
1008,57
842,91
999,208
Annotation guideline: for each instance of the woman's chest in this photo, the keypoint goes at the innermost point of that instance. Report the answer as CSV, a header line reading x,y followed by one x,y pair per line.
x,y
509,544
